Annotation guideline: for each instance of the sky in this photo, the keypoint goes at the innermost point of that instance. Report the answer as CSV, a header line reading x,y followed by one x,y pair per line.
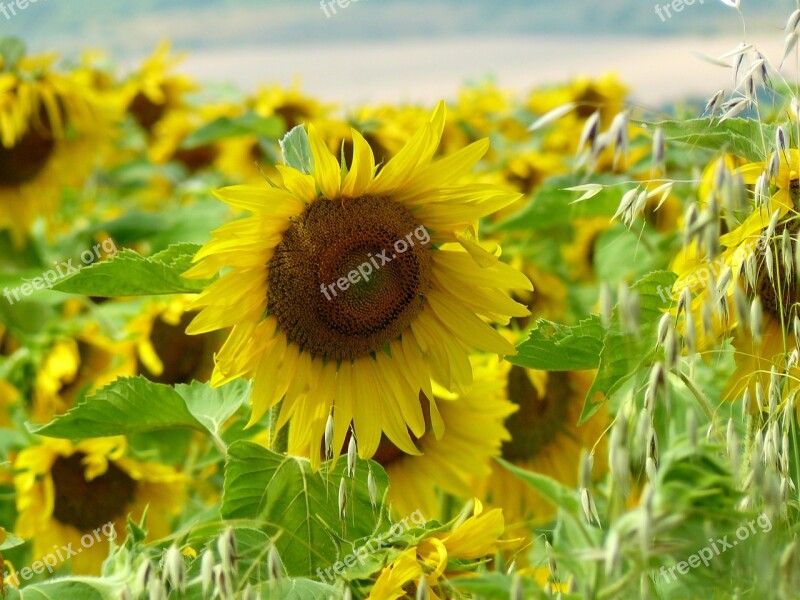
x,y
412,50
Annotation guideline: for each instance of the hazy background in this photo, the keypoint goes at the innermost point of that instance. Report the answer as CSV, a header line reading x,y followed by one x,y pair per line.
x,y
407,50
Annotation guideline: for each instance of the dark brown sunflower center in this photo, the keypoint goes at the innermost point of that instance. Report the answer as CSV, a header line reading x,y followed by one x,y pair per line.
x,y
589,101
292,114
197,159
87,505
540,418
185,357
780,293
25,160
146,112
349,276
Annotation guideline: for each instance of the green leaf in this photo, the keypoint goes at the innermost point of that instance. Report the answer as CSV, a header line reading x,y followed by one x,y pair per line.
x,y
497,586
742,137
298,508
550,489
554,347
298,589
624,356
226,127
130,274
132,405
296,150
553,206
74,588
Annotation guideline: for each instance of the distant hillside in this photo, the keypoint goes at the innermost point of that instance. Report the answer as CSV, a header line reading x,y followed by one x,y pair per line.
x,y
131,27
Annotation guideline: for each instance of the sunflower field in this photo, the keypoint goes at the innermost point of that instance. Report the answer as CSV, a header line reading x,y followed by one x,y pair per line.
x,y
517,344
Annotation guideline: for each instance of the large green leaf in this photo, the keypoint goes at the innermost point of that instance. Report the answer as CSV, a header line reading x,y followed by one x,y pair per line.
x,y
73,588
298,508
550,489
130,274
742,137
554,347
135,405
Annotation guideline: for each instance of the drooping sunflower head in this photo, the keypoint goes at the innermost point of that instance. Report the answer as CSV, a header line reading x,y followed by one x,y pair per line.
x,y
53,481
153,91
52,129
351,288
545,437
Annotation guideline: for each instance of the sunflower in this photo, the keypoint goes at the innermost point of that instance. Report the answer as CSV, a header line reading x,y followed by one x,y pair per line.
x,y
52,131
77,366
454,463
153,91
358,345
477,537
580,253
68,491
164,352
748,243
545,438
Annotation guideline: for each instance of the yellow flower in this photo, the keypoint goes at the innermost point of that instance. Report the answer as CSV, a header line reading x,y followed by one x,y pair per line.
x,y
473,433
82,494
75,366
152,92
579,254
349,292
52,131
475,538
546,439
164,352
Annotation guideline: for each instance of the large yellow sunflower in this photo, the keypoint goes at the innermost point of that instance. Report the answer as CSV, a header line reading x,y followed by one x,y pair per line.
x,y
66,493
348,292
52,130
